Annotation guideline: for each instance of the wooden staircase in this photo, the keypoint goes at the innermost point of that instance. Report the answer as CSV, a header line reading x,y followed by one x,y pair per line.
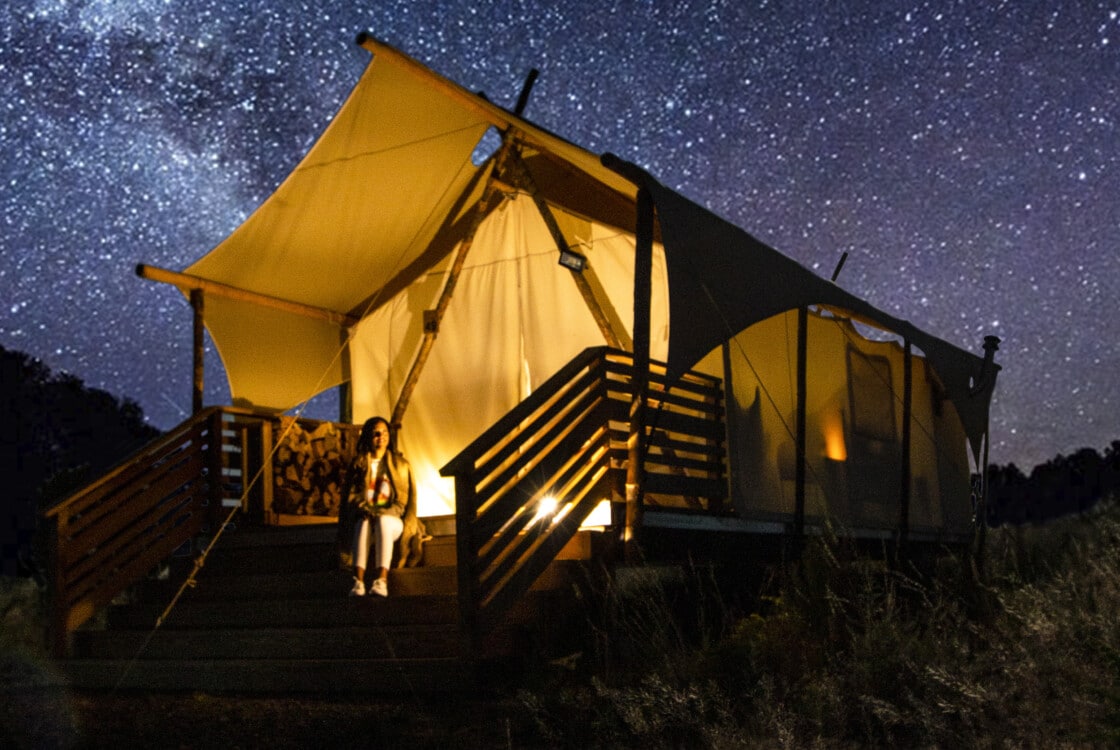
x,y
270,614
269,611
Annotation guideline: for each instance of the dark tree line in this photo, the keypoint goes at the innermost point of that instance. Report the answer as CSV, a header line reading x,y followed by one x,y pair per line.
x,y
55,435
1062,486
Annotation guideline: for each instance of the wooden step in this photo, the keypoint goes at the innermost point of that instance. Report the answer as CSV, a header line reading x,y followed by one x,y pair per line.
x,y
279,675
291,550
269,612
377,642
322,584
330,584
292,613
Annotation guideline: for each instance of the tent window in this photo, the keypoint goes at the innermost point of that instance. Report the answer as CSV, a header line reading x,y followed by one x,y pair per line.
x,y
486,147
872,402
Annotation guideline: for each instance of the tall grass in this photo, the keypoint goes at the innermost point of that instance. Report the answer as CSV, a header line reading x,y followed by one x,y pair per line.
x,y
845,650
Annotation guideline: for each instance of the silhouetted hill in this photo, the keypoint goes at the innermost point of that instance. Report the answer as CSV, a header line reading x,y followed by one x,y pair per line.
x,y
56,435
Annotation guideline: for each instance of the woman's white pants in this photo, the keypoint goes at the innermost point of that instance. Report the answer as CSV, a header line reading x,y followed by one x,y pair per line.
x,y
385,530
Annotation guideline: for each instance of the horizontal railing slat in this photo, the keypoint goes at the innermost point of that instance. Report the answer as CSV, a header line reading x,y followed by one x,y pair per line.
x,y
707,428
583,476
557,473
674,484
503,427
504,596
136,568
137,500
187,437
490,482
666,442
104,553
538,463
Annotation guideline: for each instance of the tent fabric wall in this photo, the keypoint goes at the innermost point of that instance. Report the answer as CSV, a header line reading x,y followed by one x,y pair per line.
x,y
723,280
516,318
854,430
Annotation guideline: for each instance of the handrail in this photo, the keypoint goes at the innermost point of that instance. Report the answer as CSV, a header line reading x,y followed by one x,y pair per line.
x,y
108,535
524,487
111,533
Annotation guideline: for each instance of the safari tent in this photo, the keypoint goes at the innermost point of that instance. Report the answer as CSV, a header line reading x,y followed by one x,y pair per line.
x,y
440,258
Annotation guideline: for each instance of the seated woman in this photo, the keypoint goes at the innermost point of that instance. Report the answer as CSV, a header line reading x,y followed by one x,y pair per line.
x,y
379,494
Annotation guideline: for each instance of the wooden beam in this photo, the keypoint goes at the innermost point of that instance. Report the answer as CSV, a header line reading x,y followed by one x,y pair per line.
x,y
802,384
187,282
635,444
199,349
523,178
907,412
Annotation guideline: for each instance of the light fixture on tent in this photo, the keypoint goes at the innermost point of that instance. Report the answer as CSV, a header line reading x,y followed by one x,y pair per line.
x,y
572,260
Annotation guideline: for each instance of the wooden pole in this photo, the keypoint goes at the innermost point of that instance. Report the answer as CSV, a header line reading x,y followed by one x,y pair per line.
x,y
802,381
523,180
345,388
199,349
907,412
526,89
635,444
187,282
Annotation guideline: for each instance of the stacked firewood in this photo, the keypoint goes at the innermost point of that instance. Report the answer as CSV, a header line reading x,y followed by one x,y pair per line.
x,y
309,469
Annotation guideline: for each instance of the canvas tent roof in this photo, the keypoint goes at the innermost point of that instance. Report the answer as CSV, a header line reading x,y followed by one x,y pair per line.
x,y
362,234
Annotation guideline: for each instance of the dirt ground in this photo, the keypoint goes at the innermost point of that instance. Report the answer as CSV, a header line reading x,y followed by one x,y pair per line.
x,y
53,718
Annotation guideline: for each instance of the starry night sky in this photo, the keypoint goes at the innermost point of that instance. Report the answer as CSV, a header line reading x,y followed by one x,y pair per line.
x,y
965,154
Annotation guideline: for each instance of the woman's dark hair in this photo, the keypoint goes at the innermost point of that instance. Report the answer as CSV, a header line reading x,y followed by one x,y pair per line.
x,y
365,438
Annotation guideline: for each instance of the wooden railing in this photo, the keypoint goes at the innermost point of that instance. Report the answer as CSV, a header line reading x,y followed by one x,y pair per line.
x,y
109,535
524,487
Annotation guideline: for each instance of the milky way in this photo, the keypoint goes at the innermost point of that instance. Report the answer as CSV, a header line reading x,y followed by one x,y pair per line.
x,y
966,155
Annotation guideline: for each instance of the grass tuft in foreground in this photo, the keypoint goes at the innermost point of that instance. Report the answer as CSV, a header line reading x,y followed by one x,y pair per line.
x,y
847,651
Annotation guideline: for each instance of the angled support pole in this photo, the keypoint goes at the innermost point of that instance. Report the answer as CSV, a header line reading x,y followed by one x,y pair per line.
x,y
433,318
521,179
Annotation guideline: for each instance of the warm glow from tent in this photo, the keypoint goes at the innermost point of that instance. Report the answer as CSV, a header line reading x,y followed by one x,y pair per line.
x,y
435,498
834,447
600,517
